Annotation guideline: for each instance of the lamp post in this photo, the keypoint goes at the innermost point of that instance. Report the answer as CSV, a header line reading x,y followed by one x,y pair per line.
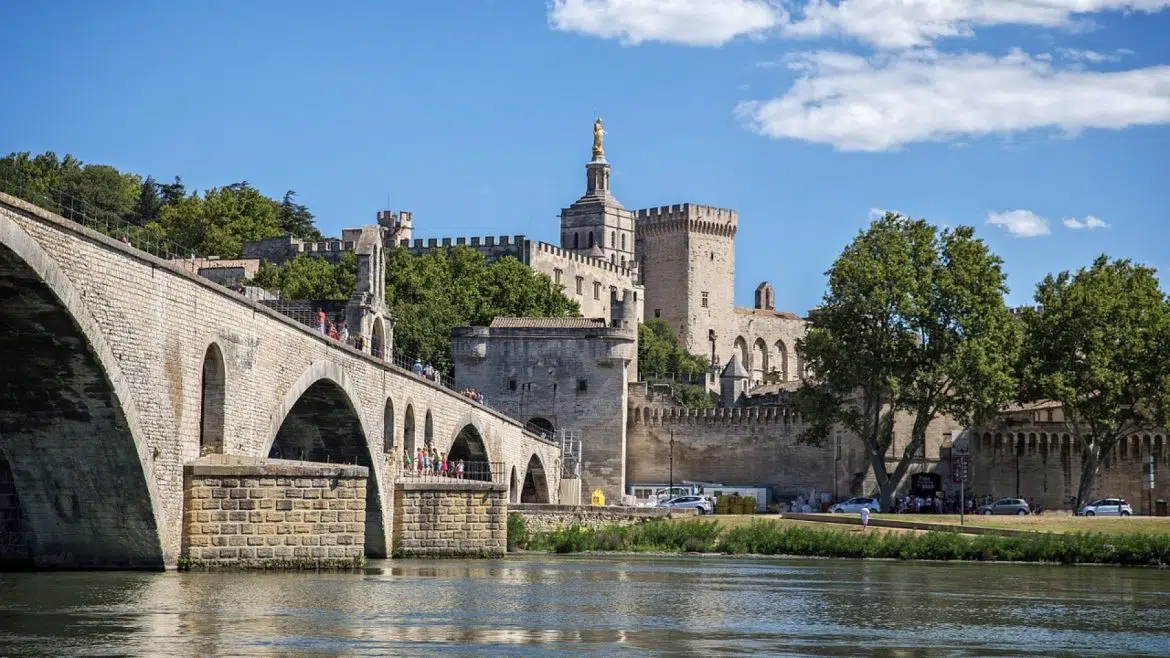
x,y
670,491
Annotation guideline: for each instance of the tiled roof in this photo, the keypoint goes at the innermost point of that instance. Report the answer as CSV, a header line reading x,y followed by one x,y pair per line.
x,y
548,323
775,387
1032,406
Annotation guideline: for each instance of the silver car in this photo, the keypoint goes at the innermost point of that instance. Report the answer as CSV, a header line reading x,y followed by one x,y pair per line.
x,y
1106,507
854,505
690,502
1016,506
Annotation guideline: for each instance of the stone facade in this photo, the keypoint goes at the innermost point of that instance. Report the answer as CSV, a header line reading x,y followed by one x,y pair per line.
x,y
450,519
123,367
545,518
16,540
264,514
558,374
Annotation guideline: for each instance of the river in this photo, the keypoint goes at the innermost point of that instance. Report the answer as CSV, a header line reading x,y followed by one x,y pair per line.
x,y
536,605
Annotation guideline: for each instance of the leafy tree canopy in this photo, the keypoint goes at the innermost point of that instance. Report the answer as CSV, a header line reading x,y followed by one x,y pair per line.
x,y
913,321
216,223
1098,341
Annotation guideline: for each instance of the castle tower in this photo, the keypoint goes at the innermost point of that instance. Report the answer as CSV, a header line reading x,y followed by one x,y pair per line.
x,y
733,383
765,297
596,225
686,261
396,227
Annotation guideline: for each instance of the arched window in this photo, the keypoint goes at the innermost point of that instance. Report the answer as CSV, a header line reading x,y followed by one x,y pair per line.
x,y
388,437
212,403
623,241
612,239
591,243
428,431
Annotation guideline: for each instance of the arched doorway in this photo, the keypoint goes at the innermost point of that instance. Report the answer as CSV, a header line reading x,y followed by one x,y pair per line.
x,y
541,426
212,403
324,426
69,452
428,431
514,487
389,439
408,431
781,366
469,447
535,483
378,339
759,361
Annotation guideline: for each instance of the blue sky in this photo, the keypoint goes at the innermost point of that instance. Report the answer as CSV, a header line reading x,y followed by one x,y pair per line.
x,y
1013,116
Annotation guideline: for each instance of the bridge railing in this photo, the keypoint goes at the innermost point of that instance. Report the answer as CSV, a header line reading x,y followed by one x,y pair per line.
x,y
477,471
84,213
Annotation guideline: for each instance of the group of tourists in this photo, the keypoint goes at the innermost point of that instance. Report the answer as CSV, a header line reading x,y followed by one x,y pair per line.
x,y
335,330
426,371
429,461
472,394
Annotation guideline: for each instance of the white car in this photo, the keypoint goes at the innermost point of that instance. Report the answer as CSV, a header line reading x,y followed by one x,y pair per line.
x,y
1107,507
855,505
690,502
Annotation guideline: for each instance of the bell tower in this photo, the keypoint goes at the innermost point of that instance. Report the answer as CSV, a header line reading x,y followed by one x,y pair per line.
x,y
596,225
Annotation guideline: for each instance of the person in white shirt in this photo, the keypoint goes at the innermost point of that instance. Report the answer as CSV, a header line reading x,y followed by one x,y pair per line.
x,y
864,518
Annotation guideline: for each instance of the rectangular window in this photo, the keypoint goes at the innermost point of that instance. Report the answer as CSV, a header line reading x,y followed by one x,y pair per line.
x,y
511,384
557,276
580,282
596,290
657,312
704,300
582,385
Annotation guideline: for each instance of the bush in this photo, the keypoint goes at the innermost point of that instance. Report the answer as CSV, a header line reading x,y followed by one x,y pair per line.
x,y
517,532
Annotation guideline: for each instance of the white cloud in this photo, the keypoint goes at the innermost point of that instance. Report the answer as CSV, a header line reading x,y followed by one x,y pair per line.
x,y
910,23
886,101
1092,56
1090,222
1020,223
689,22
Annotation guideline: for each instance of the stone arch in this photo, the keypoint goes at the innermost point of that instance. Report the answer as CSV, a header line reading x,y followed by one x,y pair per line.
x,y
389,439
469,446
408,440
741,346
781,365
541,426
70,429
378,338
513,487
211,402
535,483
759,360
428,431
322,421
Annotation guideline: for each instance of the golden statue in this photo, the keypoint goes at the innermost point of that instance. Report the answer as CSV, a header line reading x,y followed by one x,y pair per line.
x,y
598,133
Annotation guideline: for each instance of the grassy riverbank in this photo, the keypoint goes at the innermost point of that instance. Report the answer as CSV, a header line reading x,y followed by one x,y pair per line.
x,y
760,537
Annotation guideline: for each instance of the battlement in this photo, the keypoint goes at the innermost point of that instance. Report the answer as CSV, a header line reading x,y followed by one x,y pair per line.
x,y
473,242
391,219
1055,439
734,416
686,217
584,260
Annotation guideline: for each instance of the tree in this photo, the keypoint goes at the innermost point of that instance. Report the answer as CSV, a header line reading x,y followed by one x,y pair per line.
x,y
149,203
660,355
913,322
219,222
306,277
295,219
173,192
1098,342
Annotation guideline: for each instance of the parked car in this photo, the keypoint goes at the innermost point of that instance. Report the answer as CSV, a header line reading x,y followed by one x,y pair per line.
x,y
700,503
1106,507
854,505
1017,506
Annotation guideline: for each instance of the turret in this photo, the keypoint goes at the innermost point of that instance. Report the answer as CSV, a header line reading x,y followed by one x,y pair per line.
x,y
733,383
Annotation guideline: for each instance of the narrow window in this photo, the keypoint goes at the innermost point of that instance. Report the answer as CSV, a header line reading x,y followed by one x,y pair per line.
x,y
704,300
612,259
590,239
712,255
657,312
580,282
557,276
582,385
623,241
576,240
596,290
511,384
623,261
612,239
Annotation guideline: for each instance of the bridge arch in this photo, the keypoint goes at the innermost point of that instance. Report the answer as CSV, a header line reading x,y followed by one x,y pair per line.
x,y
211,403
321,421
535,482
428,431
408,443
389,441
542,426
69,427
514,487
469,446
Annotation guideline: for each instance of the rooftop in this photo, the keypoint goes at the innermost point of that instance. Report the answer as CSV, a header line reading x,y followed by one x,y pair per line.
x,y
787,315
548,323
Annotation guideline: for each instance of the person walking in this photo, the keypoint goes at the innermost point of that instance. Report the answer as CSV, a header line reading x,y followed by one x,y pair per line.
x,y
864,518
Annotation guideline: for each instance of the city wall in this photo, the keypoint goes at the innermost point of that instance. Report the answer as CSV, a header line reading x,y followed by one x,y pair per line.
x,y
545,518
450,519
1042,461
272,514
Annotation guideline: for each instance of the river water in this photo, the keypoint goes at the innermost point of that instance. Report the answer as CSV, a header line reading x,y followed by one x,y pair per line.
x,y
596,606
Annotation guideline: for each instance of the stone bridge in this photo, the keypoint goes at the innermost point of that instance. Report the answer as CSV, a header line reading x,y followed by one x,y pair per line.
x,y
118,368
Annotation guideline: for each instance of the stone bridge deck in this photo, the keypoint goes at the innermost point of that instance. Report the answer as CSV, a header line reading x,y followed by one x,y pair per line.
x,y
119,368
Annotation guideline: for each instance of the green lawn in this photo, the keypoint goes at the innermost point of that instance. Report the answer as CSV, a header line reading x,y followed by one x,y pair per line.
x,y
1042,523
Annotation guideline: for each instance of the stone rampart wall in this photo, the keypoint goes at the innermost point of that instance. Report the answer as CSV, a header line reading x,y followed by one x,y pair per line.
x,y
265,514
545,518
450,519
15,538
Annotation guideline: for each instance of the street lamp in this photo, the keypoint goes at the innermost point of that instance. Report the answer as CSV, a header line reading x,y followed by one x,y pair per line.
x,y
670,491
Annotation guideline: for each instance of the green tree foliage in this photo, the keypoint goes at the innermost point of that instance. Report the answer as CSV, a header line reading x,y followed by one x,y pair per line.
x,y
913,322
306,277
430,295
1098,341
662,359
216,223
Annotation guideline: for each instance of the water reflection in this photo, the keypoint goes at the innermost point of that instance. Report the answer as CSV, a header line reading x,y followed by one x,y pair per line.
x,y
530,606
